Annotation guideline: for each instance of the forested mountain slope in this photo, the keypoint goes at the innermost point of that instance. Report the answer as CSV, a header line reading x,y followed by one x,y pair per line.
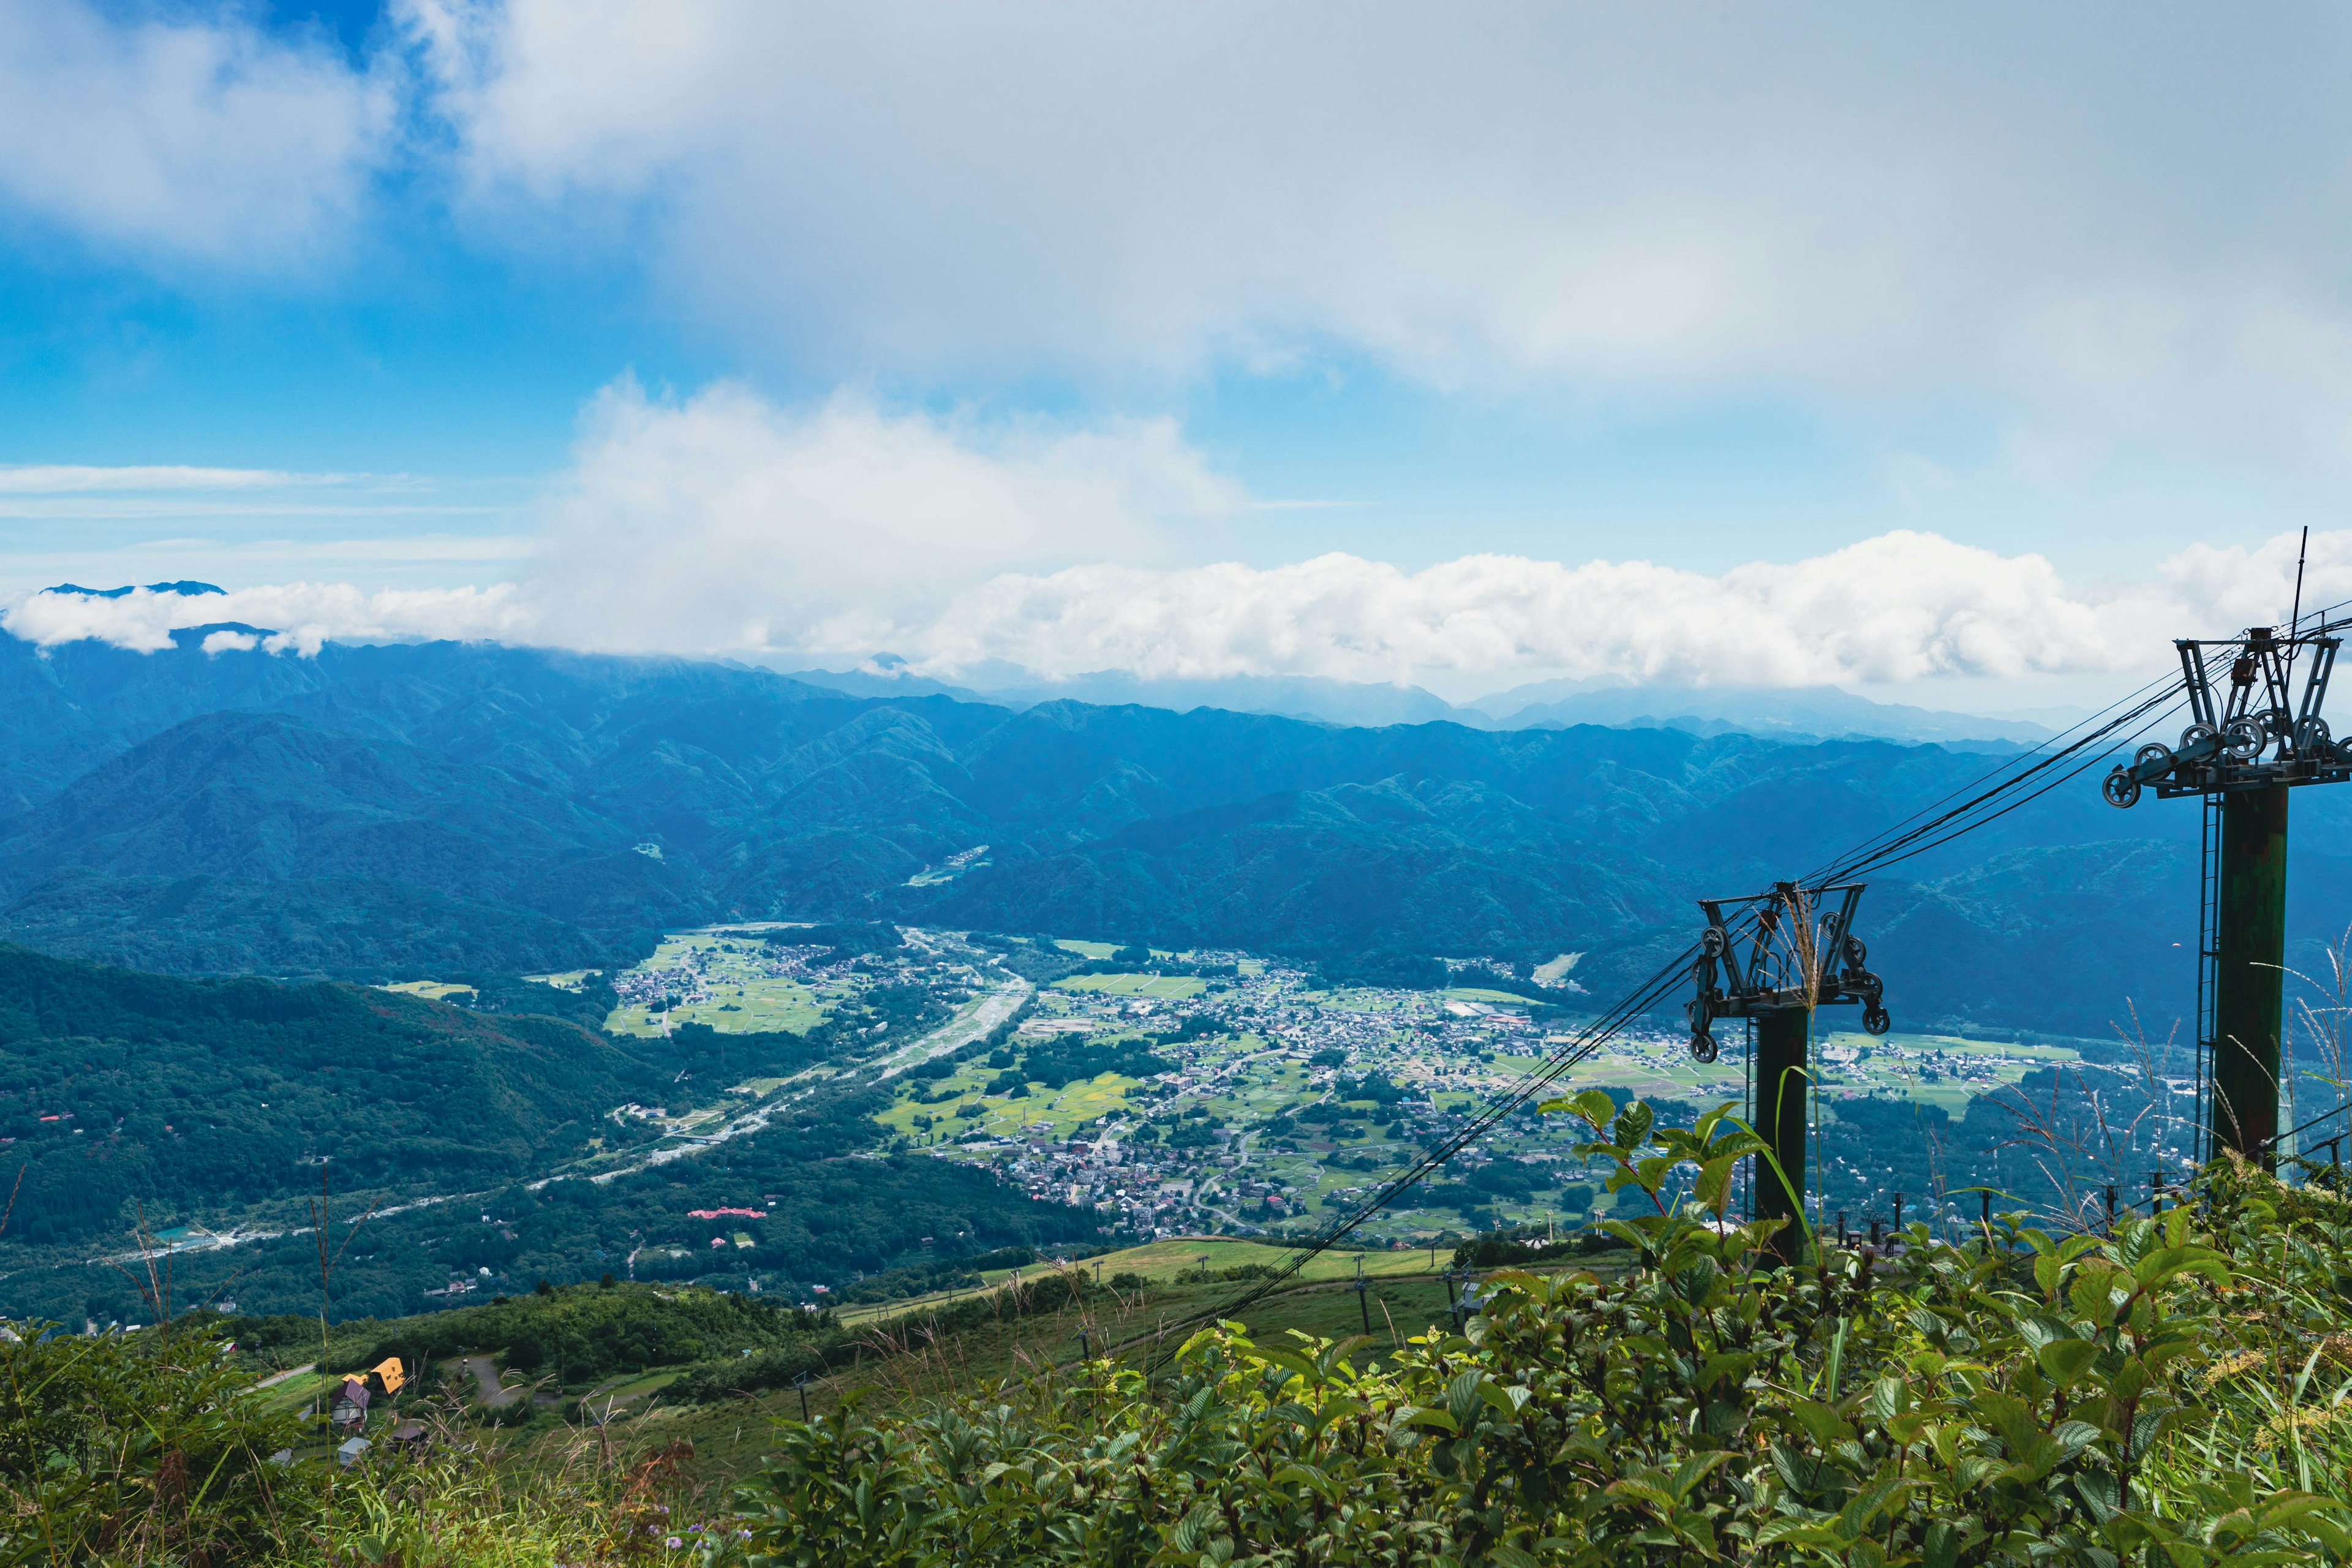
x,y
216,1094
604,798
210,1108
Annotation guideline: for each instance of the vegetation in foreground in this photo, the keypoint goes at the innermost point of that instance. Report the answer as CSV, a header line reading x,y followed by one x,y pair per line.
x,y
2176,1392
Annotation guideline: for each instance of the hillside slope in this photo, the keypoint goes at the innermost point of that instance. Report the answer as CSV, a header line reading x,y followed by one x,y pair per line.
x,y
211,1095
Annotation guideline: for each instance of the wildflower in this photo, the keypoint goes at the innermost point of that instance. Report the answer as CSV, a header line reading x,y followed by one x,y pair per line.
x,y
674,1543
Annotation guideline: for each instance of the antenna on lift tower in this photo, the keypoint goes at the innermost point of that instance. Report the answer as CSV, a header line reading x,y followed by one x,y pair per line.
x,y
1802,954
2243,750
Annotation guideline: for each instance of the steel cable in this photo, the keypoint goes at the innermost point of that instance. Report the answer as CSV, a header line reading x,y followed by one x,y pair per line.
x,y
2140,710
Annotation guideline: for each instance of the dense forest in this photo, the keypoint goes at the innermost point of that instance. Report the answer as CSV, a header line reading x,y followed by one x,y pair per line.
x,y
196,1099
195,1107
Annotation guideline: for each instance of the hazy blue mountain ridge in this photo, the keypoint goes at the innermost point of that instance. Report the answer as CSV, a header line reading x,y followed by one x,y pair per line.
x,y
612,796
1816,712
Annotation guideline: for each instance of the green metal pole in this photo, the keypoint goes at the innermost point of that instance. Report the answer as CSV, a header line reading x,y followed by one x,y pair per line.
x,y
2249,997
1781,1083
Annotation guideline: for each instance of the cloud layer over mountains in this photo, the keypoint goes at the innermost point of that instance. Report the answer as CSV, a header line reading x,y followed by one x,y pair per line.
x,y
849,533
724,524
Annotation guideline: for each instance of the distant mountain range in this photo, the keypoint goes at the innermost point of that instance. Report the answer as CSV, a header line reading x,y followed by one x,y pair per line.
x,y
1821,712
416,811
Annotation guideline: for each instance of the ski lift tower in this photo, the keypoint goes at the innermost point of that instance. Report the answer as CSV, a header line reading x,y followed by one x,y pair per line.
x,y
1801,953
2246,745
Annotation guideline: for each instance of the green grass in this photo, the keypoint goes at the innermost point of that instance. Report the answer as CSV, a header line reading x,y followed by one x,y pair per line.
x,y
1405,1299
1166,987
1065,1107
431,990
621,1391
1499,999
742,1000
1165,1260
760,1087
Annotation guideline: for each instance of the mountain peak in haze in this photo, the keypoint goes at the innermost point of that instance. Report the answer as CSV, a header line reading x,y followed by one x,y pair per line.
x,y
185,588
1812,711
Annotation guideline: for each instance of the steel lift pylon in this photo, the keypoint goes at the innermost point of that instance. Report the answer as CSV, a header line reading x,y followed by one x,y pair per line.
x,y
2246,746
1800,953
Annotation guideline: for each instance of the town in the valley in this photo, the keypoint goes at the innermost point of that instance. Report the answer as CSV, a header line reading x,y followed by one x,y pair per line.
x,y
1212,1092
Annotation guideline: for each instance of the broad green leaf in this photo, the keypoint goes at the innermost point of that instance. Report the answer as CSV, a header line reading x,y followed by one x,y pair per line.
x,y
2067,1360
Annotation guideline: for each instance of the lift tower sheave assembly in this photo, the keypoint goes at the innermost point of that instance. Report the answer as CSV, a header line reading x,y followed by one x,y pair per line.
x,y
2244,748
1800,953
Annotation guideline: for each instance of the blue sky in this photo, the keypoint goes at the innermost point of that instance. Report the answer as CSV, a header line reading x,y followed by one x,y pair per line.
x,y
1965,358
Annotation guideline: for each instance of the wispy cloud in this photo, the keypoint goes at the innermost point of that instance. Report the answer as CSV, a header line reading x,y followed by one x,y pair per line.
x,y
62,479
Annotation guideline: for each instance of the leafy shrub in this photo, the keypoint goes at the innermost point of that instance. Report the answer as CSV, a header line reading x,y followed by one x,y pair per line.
x,y
740,1376
2164,1395
585,1333
140,1449
1378,1087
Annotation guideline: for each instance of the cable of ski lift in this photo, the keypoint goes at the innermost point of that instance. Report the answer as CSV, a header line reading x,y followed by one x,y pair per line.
x,y
1912,845
2163,697
2133,700
2157,697
1589,1040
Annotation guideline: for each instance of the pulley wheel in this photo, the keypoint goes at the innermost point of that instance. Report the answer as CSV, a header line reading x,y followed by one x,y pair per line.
x,y
1856,954
2152,751
2120,789
2311,736
2194,733
1711,941
1704,1048
1874,1020
2244,737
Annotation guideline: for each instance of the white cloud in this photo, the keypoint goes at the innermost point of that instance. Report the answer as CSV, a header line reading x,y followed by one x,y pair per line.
x,y
212,141
2086,212
303,617
723,522
1900,608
